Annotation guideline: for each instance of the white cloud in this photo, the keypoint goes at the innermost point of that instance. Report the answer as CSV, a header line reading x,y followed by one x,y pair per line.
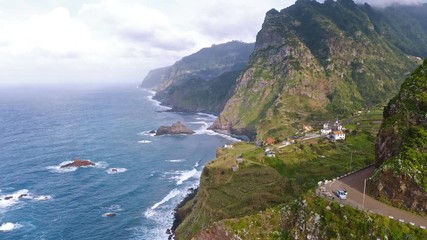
x,y
385,3
112,40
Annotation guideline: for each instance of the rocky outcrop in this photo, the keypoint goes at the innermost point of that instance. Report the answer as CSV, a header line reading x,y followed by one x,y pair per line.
x,y
401,152
176,128
314,61
78,163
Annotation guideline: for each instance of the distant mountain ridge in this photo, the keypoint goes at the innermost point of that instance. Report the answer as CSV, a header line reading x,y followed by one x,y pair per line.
x,y
314,61
203,81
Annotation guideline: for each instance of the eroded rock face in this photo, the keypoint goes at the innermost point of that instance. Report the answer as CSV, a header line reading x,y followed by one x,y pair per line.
x,y
78,163
176,128
401,152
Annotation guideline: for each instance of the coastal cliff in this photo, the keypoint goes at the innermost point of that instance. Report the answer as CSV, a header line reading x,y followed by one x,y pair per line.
x,y
200,82
401,152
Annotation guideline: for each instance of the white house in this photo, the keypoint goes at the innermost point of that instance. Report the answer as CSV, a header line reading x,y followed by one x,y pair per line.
x,y
330,128
326,129
228,146
338,135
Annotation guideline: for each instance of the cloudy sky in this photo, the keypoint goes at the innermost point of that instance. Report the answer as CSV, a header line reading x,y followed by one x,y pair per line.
x,y
106,41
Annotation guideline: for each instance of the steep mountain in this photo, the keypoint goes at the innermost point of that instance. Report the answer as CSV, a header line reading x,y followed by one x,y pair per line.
x,y
401,147
203,81
321,60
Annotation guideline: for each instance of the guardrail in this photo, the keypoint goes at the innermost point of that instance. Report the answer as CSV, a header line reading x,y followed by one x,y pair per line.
x,y
321,192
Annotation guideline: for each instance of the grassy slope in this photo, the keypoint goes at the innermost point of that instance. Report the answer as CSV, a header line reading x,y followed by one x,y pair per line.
x,y
263,182
316,217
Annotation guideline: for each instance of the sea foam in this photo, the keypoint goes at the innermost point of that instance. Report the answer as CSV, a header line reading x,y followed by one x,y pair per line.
x,y
175,160
12,199
116,170
7,227
168,197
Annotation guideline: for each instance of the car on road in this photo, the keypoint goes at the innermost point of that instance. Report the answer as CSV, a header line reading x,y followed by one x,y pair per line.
x,y
341,194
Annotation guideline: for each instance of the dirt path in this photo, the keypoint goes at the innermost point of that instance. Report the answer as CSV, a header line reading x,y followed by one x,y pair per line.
x,y
354,184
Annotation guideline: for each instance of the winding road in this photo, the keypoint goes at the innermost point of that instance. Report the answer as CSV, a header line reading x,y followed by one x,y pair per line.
x,y
354,184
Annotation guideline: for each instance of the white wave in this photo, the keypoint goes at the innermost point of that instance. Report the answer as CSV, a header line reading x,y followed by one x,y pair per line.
x,y
203,130
144,141
7,227
115,208
175,160
147,133
199,122
149,213
100,164
9,200
168,197
43,198
184,176
58,169
154,101
161,214
116,170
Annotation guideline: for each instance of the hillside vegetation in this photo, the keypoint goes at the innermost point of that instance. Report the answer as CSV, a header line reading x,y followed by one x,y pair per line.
x,y
314,61
263,182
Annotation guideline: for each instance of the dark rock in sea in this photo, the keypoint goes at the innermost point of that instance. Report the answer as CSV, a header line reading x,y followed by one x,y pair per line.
x,y
23,195
78,163
8,197
168,231
152,131
110,214
176,128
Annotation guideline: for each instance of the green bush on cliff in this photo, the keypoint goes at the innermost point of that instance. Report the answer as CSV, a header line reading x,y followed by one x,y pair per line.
x,y
401,147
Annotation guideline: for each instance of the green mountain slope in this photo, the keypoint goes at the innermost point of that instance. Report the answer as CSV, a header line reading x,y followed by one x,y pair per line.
x,y
319,60
203,81
311,217
401,148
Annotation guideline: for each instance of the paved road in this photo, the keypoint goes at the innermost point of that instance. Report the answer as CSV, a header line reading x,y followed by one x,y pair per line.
x,y
354,184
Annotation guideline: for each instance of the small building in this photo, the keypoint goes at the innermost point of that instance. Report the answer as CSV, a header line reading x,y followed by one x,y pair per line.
x,y
270,154
329,128
326,129
338,135
228,146
235,168
239,160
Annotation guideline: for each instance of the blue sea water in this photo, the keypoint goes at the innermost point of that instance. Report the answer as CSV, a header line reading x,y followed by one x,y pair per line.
x,y
42,128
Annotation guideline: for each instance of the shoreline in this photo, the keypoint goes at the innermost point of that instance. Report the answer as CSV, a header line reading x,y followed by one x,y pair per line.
x,y
179,217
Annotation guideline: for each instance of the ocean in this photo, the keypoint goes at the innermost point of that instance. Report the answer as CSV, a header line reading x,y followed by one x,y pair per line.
x,y
43,128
